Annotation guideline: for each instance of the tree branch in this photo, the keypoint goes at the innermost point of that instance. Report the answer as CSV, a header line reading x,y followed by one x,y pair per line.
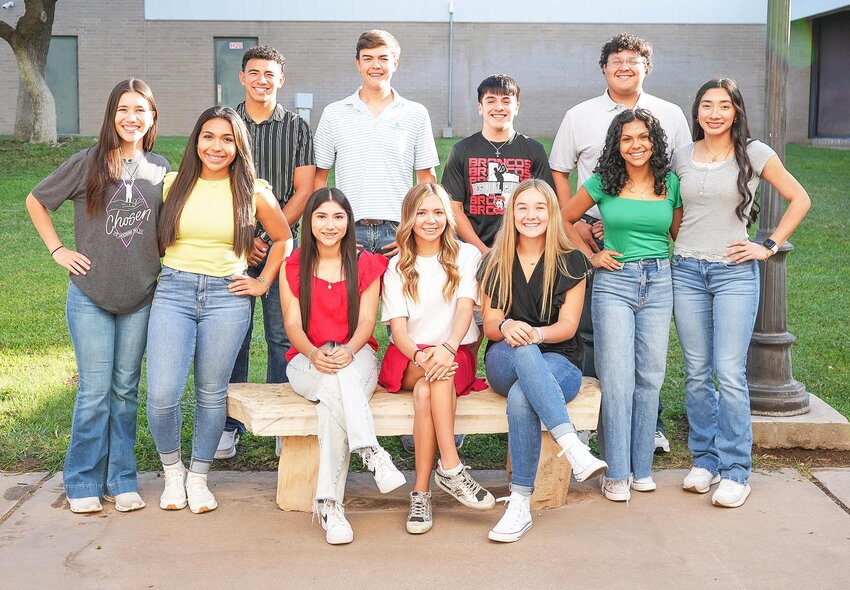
x,y
6,31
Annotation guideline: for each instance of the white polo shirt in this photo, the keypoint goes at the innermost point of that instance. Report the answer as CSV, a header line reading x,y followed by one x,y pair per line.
x,y
581,137
375,156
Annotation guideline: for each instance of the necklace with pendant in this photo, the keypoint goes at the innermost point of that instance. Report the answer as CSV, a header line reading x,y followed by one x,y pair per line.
x,y
634,190
502,145
715,157
128,184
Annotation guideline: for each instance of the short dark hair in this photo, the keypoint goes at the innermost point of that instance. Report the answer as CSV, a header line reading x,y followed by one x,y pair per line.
x,y
627,41
264,52
377,38
499,84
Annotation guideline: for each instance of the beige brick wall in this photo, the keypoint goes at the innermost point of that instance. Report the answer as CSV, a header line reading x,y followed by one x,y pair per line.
x,y
555,64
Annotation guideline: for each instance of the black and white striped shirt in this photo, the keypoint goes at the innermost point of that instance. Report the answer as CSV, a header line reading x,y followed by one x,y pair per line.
x,y
280,144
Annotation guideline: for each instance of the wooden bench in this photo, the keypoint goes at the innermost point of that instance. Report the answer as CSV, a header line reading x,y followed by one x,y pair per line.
x,y
276,410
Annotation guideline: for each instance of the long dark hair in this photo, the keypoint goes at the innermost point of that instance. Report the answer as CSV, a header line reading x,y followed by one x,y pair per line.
x,y
310,256
105,166
740,139
611,166
241,184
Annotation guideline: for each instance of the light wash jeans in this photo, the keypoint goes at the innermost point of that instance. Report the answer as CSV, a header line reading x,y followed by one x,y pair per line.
x,y
109,349
537,386
631,324
716,305
193,317
345,420
375,237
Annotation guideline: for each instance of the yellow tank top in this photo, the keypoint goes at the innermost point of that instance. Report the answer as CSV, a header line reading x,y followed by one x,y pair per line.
x,y
204,242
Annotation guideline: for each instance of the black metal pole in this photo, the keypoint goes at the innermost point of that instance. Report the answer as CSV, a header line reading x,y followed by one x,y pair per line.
x,y
773,389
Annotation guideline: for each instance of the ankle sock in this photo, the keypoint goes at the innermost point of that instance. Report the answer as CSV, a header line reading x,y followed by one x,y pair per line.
x,y
453,471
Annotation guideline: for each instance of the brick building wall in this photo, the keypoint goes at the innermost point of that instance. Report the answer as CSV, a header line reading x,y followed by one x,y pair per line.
x,y
555,64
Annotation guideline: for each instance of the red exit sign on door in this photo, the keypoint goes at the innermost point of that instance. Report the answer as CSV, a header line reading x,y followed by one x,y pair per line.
x,y
235,45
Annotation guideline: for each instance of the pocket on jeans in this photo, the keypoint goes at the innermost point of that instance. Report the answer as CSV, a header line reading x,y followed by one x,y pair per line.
x,y
166,273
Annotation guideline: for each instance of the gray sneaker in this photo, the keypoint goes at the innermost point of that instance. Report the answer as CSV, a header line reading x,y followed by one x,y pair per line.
x,y
464,489
419,518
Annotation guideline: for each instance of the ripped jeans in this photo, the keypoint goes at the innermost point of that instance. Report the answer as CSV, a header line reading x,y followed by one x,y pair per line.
x,y
345,420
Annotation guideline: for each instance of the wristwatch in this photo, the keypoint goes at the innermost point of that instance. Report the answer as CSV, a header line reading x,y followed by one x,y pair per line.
x,y
770,245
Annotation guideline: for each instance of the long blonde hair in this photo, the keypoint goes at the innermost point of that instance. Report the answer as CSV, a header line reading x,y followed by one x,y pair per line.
x,y
406,241
497,276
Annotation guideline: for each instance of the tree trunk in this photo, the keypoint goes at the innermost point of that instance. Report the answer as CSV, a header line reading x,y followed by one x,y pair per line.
x,y
30,42
43,121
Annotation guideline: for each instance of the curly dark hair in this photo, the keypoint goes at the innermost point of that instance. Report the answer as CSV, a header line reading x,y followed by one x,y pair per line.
x,y
266,52
611,166
627,41
740,139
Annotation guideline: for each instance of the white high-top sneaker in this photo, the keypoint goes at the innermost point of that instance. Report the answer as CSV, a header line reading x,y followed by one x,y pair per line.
x,y
174,495
515,522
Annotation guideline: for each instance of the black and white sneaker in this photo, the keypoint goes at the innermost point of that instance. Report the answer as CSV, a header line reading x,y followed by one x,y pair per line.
x,y
419,518
464,489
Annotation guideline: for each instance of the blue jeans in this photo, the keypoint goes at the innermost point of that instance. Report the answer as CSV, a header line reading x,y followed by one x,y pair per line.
x,y
193,317
716,305
277,342
631,335
537,386
109,349
375,237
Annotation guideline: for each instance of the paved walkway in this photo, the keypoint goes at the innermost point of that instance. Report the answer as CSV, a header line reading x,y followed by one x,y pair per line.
x,y
792,533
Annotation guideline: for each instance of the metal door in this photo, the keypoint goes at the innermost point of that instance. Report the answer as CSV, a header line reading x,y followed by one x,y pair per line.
x,y
228,63
63,80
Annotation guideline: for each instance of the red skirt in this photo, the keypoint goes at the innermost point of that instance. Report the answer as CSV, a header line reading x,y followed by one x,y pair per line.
x,y
395,363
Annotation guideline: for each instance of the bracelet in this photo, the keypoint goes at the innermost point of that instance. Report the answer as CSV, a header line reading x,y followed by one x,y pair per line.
x,y
539,333
449,348
348,347
502,324
415,352
57,248
263,280
310,354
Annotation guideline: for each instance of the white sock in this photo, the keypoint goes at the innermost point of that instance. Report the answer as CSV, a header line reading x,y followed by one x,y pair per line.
x,y
568,440
453,471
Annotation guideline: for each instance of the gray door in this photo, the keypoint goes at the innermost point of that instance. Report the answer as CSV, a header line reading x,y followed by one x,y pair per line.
x,y
228,63
833,117
63,81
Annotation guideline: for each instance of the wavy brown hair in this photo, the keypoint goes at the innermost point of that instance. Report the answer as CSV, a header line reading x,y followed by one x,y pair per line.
x,y
242,179
496,275
310,257
406,240
740,131
105,165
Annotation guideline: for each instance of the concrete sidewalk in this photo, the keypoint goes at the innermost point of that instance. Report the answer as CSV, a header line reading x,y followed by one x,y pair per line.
x,y
790,534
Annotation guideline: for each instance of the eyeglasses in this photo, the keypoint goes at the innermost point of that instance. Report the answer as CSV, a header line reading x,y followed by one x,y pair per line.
x,y
617,62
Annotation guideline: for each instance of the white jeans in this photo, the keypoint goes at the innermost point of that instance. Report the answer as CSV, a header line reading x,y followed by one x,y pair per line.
x,y
345,420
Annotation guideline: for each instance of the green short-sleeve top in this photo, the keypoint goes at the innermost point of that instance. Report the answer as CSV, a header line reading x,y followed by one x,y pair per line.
x,y
636,228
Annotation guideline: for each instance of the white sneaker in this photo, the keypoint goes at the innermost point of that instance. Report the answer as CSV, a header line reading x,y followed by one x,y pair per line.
x,y
339,531
379,462
699,480
661,442
515,522
420,517
730,494
126,502
617,490
174,495
464,489
644,484
85,505
227,445
200,497
584,464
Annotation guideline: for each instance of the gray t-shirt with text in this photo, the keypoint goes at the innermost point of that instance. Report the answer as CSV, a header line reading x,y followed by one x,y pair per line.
x,y
120,241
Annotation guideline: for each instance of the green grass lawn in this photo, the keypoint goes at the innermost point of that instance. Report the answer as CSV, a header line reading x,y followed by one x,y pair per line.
x,y
37,370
